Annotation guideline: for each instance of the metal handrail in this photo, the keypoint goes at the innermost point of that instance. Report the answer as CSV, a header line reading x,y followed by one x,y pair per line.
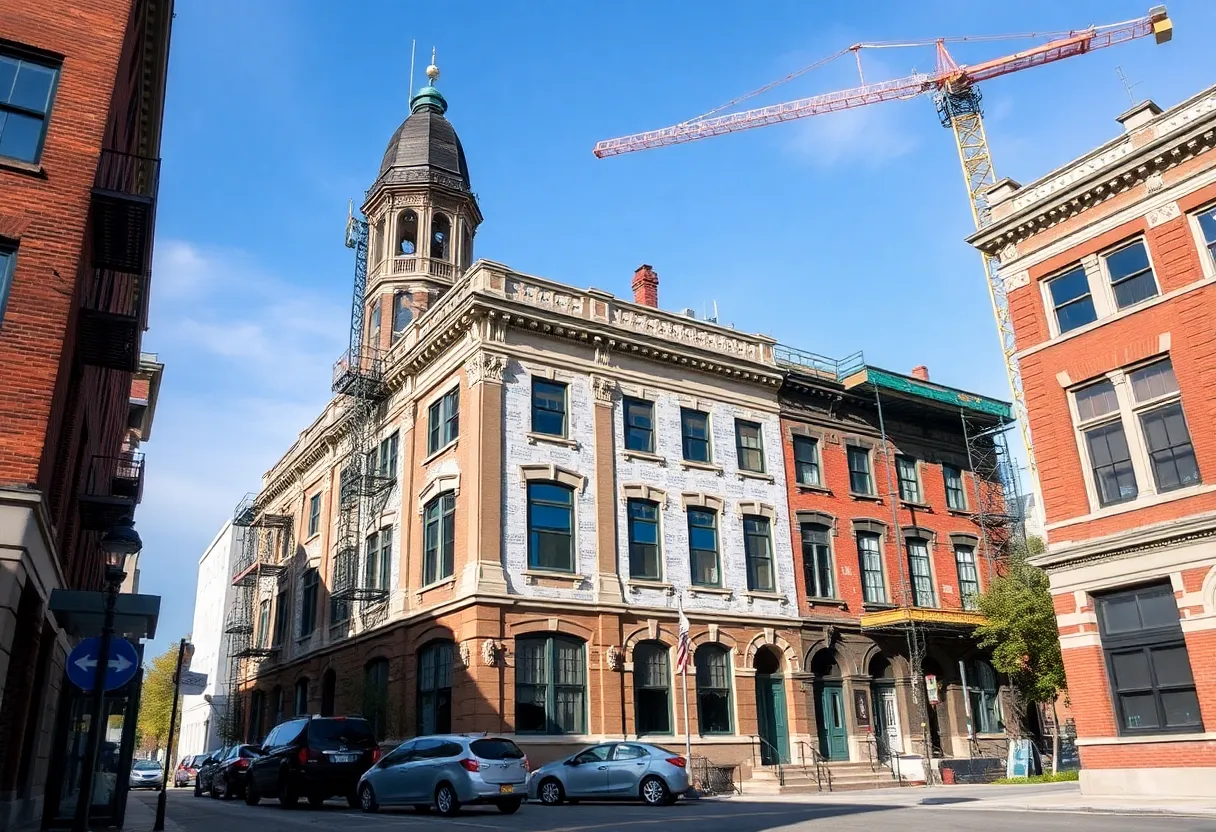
x,y
872,750
821,764
776,755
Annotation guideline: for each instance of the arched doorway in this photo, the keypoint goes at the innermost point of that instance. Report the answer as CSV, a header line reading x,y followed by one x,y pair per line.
x,y
829,706
887,732
770,707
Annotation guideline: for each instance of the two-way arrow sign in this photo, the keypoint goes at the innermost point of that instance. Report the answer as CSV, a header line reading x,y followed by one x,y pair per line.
x,y
119,663
122,662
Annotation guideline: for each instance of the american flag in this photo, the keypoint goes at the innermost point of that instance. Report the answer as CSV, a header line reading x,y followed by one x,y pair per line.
x,y
682,642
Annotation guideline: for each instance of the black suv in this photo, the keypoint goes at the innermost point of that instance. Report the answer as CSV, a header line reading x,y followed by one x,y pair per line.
x,y
312,757
206,771
231,776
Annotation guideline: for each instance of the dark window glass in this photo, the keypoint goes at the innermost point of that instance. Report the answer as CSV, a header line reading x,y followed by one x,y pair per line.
x,y
403,313
314,514
496,749
639,425
806,461
1151,382
749,443
441,236
909,482
713,689
629,752
1169,447
1074,306
758,550
443,422
550,686
1207,226
1147,661
968,577
378,567
644,555
27,89
328,733
817,561
375,696
1131,275
8,262
435,688
985,703
550,527
300,699
439,538
373,324
652,688
263,624
1112,464
1096,400
869,552
308,598
956,497
548,407
703,546
922,577
694,428
859,471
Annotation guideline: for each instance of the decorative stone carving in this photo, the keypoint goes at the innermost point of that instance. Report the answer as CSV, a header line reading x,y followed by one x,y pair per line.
x,y
485,366
1027,197
1190,114
404,200
686,333
1017,280
613,660
1154,183
1009,252
491,652
1165,213
463,654
603,388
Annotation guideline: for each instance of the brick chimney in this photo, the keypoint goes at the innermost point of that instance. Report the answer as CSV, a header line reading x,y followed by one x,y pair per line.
x,y
921,372
646,286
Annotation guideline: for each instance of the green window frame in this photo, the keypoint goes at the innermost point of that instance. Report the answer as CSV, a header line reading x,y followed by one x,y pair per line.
x,y
443,422
703,556
550,685
439,538
714,712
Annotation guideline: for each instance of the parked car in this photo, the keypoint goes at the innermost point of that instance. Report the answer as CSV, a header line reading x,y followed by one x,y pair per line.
x,y
312,757
621,770
147,774
187,770
206,770
446,772
231,775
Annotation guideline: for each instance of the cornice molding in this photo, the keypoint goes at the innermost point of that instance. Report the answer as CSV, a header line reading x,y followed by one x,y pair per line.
x,y
1127,544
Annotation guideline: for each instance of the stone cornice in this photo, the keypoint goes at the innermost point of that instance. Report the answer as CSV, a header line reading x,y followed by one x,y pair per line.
x,y
1127,544
1177,135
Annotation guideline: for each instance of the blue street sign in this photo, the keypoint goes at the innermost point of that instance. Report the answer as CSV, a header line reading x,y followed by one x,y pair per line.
x,y
82,663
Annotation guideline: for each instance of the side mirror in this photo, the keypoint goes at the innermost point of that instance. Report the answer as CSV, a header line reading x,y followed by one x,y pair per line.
x,y
572,762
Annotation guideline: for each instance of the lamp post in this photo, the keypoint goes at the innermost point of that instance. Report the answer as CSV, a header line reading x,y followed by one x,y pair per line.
x,y
119,541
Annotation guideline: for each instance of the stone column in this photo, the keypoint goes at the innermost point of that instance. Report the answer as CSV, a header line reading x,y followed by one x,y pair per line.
x,y
608,579
484,570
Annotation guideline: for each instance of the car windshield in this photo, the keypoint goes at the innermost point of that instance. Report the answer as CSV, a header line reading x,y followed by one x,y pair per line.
x,y
197,760
496,749
330,732
146,765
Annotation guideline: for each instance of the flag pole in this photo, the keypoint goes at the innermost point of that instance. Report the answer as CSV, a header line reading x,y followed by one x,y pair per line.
x,y
687,724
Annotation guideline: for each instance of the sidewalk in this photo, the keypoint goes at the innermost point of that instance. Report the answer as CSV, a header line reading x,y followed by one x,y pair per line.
x,y
141,817
1038,797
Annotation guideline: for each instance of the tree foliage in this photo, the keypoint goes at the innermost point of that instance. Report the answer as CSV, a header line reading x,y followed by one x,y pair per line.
x,y
156,699
1021,627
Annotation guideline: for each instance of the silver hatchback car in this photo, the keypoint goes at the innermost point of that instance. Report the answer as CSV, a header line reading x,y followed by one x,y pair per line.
x,y
446,772
615,770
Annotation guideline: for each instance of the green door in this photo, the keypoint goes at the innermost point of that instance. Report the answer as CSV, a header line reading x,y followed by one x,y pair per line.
x,y
770,711
829,708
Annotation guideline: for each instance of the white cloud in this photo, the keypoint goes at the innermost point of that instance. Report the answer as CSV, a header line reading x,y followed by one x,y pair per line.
x,y
871,136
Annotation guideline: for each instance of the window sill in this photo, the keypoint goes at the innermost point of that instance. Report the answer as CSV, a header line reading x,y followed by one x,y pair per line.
x,y
312,537
915,505
827,602
442,582
1144,501
18,166
1138,739
645,456
534,437
636,584
803,488
700,466
756,475
959,512
435,455
695,590
534,577
765,595
871,606
869,498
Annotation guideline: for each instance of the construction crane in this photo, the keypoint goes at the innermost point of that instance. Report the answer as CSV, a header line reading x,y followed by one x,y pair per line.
x,y
954,91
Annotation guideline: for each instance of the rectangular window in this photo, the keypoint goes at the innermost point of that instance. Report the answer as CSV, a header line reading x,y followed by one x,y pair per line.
x,y
806,461
382,459
443,422
1207,229
550,686
859,471
548,407
439,538
1147,661
749,443
27,88
264,624
1131,275
282,615
639,425
378,565
1163,426
968,577
1110,457
909,481
869,551
758,552
956,497
922,574
339,611
314,514
712,663
373,326
550,527
644,556
703,547
817,561
694,428
308,602
8,263
1071,300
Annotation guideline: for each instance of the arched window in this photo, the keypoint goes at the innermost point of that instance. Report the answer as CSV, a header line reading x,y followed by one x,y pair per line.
x,y
257,715
301,697
328,683
276,705
439,538
403,313
713,689
407,232
435,688
441,236
985,703
550,526
550,685
375,696
377,250
373,325
652,688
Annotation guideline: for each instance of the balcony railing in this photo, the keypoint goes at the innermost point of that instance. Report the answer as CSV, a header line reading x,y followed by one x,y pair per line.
x,y
362,377
837,368
110,325
113,487
124,208
417,264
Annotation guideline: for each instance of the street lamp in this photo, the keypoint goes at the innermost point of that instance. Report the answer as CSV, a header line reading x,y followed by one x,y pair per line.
x,y
119,541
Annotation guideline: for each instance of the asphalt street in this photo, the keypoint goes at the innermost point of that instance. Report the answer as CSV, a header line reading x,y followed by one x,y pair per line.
x,y
721,815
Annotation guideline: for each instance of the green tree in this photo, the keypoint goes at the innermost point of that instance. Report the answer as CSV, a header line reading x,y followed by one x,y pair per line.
x,y
156,699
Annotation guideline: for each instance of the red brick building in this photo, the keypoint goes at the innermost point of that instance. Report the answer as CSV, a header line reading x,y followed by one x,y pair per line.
x,y
82,86
1108,264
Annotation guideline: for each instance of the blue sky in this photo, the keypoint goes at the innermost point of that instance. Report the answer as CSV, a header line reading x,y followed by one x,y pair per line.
x,y
835,234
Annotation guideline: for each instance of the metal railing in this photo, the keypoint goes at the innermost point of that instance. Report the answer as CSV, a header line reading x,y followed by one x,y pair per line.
x,y
119,476
126,173
710,778
837,368
761,743
822,772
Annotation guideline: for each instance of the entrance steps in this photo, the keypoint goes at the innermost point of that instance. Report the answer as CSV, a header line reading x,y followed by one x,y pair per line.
x,y
802,779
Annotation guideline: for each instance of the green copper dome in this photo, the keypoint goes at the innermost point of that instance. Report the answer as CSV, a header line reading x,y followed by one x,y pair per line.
x,y
429,98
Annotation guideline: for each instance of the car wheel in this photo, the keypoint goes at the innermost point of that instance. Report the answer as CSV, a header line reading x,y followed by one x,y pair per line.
x,y
446,802
551,792
252,798
215,789
510,807
288,797
367,799
654,792
226,792
198,789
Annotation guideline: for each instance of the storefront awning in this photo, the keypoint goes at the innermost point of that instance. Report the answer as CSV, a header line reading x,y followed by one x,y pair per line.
x,y
82,613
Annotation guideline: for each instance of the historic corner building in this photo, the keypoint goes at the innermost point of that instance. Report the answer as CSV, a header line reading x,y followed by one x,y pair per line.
x,y
1108,265
549,472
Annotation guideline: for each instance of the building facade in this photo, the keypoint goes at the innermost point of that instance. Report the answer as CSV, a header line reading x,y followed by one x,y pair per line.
x,y
1108,265
80,117
546,476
